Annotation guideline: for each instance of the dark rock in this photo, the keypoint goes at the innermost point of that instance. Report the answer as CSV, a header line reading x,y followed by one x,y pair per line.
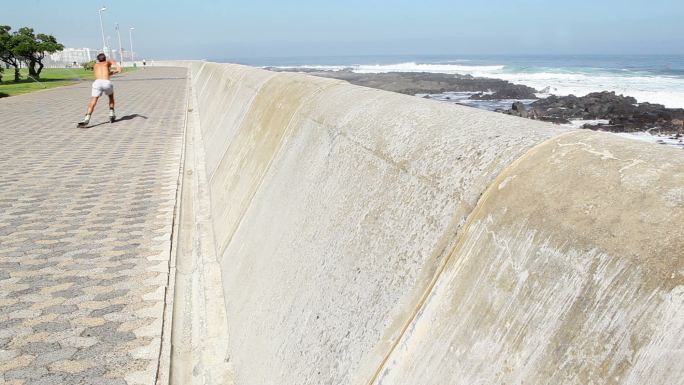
x,y
623,112
520,109
508,91
518,106
553,119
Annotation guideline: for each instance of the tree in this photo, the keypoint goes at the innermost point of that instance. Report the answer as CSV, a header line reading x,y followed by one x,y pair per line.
x,y
31,48
89,65
7,54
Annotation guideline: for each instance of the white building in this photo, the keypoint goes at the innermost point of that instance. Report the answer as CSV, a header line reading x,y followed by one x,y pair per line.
x,y
68,56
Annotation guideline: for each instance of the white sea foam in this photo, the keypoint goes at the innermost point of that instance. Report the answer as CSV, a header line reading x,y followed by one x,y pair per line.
x,y
430,68
666,90
579,123
401,67
463,98
314,67
660,139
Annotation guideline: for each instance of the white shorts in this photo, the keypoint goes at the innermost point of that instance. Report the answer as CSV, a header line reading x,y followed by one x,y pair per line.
x,y
102,86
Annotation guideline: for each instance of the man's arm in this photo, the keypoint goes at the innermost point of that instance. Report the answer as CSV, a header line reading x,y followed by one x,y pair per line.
x,y
115,63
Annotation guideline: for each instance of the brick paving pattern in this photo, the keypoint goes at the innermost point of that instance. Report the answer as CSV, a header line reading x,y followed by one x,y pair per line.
x,y
85,227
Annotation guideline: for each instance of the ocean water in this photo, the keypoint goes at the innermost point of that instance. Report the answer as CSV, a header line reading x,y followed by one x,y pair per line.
x,y
654,79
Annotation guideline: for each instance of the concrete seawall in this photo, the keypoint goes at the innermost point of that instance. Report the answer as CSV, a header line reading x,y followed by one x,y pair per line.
x,y
366,237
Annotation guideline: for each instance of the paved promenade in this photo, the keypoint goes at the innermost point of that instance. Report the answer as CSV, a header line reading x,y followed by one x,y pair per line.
x,y
85,226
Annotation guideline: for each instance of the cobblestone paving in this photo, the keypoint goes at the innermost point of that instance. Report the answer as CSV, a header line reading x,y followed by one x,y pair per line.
x,y
85,226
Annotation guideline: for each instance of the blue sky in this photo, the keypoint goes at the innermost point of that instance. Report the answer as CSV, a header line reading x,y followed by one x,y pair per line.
x,y
225,30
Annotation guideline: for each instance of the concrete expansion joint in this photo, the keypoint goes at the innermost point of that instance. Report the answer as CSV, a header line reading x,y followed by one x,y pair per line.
x,y
195,336
461,238
288,128
387,159
164,366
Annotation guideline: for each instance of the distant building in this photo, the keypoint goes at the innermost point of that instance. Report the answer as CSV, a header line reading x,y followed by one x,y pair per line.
x,y
68,56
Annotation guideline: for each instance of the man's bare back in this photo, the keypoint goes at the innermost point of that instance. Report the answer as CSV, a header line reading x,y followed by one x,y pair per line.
x,y
103,70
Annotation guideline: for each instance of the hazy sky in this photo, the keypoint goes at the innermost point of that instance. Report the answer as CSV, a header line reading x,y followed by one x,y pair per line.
x,y
225,30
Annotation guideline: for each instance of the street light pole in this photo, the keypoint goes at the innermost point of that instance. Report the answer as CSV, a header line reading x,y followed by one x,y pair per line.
x,y
120,49
104,43
130,37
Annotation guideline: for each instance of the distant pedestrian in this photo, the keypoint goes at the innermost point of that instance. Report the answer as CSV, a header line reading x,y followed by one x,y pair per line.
x,y
144,63
102,85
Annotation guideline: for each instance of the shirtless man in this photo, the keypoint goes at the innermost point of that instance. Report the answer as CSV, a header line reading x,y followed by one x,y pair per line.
x,y
102,85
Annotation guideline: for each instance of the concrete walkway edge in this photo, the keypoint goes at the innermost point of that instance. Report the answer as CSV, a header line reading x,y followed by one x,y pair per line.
x,y
197,332
163,369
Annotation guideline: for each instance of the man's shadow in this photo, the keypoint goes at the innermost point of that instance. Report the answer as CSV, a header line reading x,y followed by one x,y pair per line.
x,y
123,118
131,117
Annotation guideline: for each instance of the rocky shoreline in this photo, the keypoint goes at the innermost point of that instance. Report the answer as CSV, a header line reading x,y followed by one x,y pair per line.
x,y
617,113
411,83
606,111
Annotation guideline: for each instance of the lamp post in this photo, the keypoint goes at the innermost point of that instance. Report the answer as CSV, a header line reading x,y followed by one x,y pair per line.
x,y
120,49
104,43
130,37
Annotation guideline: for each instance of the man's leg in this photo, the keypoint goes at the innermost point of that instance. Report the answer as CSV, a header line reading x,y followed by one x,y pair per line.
x,y
91,105
89,112
112,115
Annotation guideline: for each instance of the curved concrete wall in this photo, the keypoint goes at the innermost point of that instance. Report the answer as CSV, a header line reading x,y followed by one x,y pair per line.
x,y
367,237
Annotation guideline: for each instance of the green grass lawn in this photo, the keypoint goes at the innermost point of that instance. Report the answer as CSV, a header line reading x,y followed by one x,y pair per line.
x,y
49,78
